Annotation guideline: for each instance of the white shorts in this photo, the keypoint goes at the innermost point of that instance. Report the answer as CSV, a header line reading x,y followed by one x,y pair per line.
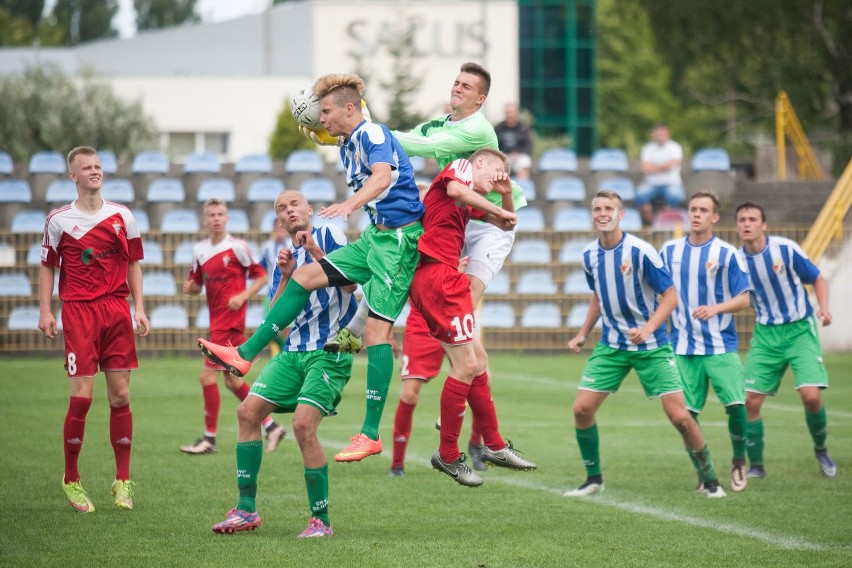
x,y
487,246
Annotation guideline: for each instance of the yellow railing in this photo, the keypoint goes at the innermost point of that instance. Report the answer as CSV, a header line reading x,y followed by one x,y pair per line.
x,y
787,123
829,222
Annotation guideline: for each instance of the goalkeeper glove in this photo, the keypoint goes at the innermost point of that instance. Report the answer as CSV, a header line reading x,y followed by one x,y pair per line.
x,y
321,136
365,112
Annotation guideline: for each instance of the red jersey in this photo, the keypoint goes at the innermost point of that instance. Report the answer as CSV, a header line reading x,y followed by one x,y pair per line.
x,y
91,251
443,220
222,269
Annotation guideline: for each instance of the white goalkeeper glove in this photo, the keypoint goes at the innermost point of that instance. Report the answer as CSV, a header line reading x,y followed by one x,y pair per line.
x,y
320,136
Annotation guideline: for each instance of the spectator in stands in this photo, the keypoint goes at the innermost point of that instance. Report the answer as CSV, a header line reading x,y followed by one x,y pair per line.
x,y
221,263
279,239
515,140
660,161
97,247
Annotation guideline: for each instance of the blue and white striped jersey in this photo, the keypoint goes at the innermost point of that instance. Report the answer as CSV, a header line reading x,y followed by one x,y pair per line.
x,y
704,275
627,279
777,274
327,309
372,143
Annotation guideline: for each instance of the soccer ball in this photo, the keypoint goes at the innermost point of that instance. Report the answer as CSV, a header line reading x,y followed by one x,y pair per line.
x,y
305,107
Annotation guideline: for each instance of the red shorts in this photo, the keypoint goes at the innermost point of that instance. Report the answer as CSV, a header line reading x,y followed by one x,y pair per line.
x,y
442,294
98,333
222,337
422,354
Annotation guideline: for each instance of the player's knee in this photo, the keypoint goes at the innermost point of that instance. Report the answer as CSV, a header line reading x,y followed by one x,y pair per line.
x,y
683,421
812,403
303,429
122,398
247,415
583,412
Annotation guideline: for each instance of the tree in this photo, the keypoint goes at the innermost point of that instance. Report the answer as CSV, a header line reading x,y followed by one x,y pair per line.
x,y
286,136
404,81
85,20
46,110
155,14
21,24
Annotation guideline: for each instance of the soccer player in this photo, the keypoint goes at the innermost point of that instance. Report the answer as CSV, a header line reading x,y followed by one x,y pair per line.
x,y
382,260
712,284
626,275
97,247
785,333
221,264
302,379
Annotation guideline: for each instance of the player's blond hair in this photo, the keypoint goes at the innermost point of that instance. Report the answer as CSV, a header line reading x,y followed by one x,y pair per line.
x,y
346,88
492,153
80,151
608,194
213,201
709,194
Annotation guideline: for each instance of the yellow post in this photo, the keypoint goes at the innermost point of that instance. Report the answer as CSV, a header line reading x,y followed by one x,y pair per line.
x,y
780,150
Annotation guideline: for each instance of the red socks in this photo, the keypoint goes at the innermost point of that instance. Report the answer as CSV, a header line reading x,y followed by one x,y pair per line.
x,y
121,434
453,398
401,432
72,435
243,391
212,402
484,413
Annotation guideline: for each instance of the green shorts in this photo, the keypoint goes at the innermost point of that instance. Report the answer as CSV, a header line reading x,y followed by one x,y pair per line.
x,y
608,366
383,262
775,347
316,378
724,371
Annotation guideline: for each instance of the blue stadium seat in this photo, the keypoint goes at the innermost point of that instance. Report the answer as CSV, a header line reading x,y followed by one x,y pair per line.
x,y
202,163
418,163
142,222
15,284
47,162
169,316
541,314
238,221
264,190
573,219
268,221
61,191
528,187
632,220
499,285
572,251
623,186
531,251
183,253
219,188
28,222
159,283
338,222
254,315
362,222
577,315
566,188
536,282
304,161
118,190
497,315
166,190
530,219
17,191
7,254
153,253
253,164
576,283
34,255
318,189
609,160
109,163
150,162
180,221
558,160
202,318
711,159
6,164
23,318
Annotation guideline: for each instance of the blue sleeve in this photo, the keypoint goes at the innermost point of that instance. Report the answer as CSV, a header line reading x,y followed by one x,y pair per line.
x,y
377,144
803,266
655,274
737,279
590,279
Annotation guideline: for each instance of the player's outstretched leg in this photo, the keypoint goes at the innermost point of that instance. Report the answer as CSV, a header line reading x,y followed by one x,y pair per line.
x,y
225,355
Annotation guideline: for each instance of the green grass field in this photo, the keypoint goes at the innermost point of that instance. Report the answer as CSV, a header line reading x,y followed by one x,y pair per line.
x,y
649,515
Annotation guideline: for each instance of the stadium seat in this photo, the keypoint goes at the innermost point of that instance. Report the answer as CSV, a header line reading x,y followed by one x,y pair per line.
x,y
497,314
362,222
558,160
531,251
6,164
118,190
142,222
17,191
418,163
202,163
7,254
530,219
528,187
238,221
219,188
61,191
499,285
403,315
47,162
572,251
609,160
711,159
577,315
153,253
202,318
159,283
254,315
183,253
622,185
166,190
576,283
264,190
536,282
632,220
180,221
28,221
169,316
268,221
670,218
338,222
304,161
109,163
573,219
34,255
318,189
253,164
150,162
566,188
541,314
15,284
23,318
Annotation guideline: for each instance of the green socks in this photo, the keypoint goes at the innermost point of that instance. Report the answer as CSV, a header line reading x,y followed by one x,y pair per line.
x,y
249,456
379,372
590,449
703,464
818,427
754,443
737,426
316,481
283,312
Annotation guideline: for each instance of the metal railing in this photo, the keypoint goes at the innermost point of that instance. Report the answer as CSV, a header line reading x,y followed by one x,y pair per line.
x,y
787,123
829,223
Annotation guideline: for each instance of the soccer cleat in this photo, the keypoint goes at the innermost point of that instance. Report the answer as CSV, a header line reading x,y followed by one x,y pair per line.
x,y
397,471
123,493
458,470
475,451
507,457
274,437
225,355
345,342
438,424
201,446
756,472
316,528
739,477
826,464
588,488
360,447
714,490
237,521
78,497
